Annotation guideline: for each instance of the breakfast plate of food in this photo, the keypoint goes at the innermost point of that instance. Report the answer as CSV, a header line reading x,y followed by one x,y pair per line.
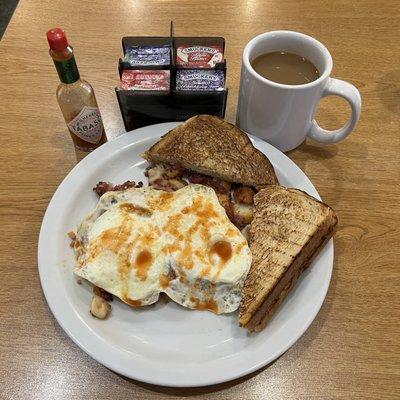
x,y
186,254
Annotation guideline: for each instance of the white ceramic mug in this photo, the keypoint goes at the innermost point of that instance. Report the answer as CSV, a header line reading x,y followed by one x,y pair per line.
x,y
283,114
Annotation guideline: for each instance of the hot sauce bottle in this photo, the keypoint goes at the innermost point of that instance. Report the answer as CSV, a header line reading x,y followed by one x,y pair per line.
x,y
75,96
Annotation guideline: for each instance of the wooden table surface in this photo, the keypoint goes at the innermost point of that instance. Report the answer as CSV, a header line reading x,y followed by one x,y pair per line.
x,y
351,350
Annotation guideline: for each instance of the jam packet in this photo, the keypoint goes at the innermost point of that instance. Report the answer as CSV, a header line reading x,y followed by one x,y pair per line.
x,y
198,56
148,55
145,79
200,80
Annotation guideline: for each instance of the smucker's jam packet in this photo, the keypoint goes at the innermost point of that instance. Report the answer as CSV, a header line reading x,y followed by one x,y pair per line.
x,y
145,79
200,80
198,56
148,55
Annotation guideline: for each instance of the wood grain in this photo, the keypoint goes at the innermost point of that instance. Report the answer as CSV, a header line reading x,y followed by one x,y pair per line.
x,y
351,351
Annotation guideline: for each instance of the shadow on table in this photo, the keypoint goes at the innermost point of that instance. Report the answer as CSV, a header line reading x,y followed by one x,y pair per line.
x,y
6,12
389,91
315,150
311,152
80,155
193,391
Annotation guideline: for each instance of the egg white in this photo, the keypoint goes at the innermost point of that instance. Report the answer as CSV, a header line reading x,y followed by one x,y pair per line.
x,y
179,231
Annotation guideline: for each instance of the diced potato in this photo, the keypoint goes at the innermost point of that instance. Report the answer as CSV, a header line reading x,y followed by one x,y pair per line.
x,y
242,214
100,308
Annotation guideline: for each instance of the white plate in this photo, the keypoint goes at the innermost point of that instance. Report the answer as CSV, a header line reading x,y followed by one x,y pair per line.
x,y
165,344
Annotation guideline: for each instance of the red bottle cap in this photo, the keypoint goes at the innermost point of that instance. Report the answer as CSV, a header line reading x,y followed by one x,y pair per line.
x,y
57,39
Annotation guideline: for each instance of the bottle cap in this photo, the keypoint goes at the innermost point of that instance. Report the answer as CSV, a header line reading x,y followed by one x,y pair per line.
x,y
57,39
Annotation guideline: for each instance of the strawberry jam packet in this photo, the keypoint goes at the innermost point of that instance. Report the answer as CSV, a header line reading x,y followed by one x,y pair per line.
x,y
145,80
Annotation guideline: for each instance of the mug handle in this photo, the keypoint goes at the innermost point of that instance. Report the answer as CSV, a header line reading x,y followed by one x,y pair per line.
x,y
352,95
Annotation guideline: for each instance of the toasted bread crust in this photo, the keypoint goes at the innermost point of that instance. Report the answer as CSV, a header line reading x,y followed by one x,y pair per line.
x,y
289,229
209,145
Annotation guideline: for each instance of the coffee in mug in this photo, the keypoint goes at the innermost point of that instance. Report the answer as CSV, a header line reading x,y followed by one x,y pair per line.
x,y
282,113
285,67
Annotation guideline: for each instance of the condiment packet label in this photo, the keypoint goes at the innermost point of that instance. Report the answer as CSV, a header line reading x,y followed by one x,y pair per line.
x,y
145,80
148,55
200,80
87,125
199,56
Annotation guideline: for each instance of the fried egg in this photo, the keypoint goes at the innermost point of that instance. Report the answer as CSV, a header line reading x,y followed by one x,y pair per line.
x,y
140,242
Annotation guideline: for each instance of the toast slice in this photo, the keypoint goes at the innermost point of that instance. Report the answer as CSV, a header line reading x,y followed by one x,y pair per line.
x,y
209,145
288,229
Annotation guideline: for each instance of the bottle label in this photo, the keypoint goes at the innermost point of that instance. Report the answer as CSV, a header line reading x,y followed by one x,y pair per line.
x,y
87,125
67,70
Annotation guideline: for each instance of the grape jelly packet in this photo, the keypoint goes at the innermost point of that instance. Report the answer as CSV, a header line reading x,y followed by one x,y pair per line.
x,y
200,80
148,55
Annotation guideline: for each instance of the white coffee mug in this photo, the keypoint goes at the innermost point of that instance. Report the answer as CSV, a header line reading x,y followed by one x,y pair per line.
x,y
283,114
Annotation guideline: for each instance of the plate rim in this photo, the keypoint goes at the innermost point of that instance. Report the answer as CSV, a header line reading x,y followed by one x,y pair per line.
x,y
128,139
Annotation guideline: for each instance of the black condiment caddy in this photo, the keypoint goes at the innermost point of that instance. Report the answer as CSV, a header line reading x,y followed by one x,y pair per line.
x,y
146,107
